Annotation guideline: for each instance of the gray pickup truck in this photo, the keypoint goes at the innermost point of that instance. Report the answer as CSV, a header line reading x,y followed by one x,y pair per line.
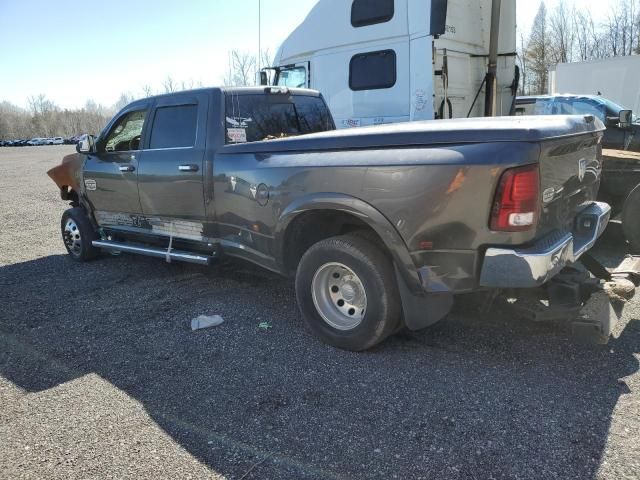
x,y
381,227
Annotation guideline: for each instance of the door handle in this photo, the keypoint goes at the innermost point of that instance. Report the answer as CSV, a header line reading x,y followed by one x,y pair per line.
x,y
188,168
127,168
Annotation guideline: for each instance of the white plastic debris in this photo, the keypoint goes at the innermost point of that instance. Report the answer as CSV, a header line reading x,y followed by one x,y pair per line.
x,y
204,321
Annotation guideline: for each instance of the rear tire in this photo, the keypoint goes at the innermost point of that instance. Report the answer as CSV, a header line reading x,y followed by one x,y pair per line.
x,y
631,219
78,235
346,289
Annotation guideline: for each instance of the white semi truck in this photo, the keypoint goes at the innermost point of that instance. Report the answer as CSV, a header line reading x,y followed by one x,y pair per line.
x,y
388,61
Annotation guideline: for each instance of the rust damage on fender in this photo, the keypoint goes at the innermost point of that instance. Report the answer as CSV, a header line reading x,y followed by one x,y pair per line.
x,y
67,176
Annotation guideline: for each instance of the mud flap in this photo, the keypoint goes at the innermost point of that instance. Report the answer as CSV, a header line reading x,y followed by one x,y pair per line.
x,y
422,311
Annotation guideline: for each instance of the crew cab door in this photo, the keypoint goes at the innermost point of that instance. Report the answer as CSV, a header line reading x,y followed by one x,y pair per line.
x,y
111,174
171,169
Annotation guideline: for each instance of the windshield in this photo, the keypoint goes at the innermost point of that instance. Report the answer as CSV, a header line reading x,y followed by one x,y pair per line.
x,y
292,77
254,118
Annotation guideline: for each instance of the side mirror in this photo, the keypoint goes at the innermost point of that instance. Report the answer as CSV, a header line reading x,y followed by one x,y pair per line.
x,y
438,17
87,144
626,118
264,78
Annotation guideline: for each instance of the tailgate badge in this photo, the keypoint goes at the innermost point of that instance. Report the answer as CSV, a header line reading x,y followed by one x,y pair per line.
x,y
91,185
582,169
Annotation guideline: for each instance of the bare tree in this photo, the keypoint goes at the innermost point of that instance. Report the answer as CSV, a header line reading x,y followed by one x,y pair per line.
x,y
242,69
169,85
523,64
147,91
561,34
187,84
537,52
124,100
621,29
45,119
266,58
588,39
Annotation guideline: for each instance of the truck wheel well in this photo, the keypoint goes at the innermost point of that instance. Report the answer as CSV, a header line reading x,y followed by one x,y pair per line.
x,y
309,228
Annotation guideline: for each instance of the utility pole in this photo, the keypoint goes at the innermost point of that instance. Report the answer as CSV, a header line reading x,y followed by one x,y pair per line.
x,y
259,35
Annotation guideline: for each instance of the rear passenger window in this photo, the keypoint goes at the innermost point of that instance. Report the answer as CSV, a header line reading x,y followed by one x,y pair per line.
x,y
371,12
174,127
373,70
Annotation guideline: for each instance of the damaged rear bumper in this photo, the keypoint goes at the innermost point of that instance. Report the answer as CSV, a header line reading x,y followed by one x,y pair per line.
x,y
534,266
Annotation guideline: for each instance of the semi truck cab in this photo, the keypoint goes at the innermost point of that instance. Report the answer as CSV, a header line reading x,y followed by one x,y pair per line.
x,y
389,61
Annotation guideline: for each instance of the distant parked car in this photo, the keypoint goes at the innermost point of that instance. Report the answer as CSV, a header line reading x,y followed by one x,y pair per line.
x,y
623,129
56,141
35,141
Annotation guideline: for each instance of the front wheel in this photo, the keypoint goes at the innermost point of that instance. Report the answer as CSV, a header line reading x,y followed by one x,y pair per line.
x,y
78,235
347,292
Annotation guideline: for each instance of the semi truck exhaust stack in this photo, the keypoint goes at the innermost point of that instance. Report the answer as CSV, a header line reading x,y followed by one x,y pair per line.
x,y
490,106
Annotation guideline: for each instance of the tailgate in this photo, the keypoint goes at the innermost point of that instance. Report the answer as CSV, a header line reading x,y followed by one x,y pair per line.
x,y
570,173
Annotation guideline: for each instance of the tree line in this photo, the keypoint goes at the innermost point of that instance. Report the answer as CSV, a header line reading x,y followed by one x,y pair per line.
x,y
43,118
569,33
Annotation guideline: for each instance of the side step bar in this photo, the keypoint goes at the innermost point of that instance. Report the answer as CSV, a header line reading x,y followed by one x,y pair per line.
x,y
177,255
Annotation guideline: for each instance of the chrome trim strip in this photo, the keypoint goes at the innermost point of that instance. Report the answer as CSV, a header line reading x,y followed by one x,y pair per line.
x,y
152,252
167,149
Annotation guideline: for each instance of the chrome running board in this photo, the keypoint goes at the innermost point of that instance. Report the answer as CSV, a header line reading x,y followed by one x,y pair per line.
x,y
177,255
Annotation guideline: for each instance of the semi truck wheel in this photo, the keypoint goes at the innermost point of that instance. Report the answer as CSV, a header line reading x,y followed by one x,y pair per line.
x,y
78,235
631,219
347,292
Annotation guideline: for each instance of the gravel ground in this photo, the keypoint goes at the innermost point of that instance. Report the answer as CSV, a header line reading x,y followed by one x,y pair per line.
x,y
101,377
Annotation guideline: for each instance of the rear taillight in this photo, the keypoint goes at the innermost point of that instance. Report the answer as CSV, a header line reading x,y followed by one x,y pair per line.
x,y
517,203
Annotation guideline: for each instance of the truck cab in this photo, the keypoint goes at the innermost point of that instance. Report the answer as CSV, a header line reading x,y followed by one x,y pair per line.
x,y
389,61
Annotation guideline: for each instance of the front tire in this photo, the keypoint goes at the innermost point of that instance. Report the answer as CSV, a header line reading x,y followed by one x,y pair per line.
x,y
78,235
631,219
347,292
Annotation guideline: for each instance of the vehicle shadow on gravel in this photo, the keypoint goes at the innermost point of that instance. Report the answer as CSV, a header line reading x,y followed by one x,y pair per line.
x,y
473,397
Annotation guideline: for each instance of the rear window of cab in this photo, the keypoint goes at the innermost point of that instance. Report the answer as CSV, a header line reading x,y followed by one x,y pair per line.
x,y
255,118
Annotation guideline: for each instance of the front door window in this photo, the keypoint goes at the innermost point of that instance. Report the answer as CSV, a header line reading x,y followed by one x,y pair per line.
x,y
126,134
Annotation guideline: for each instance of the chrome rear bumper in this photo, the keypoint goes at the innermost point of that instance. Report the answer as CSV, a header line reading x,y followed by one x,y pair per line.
x,y
534,266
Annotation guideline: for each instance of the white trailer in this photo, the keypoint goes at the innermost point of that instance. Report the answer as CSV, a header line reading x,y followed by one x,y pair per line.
x,y
617,79
387,61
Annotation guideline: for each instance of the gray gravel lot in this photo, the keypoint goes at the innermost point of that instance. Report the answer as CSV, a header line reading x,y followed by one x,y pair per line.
x,y
101,377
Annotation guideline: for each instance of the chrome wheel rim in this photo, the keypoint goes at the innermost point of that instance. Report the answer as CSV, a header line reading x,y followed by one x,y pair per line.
x,y
72,237
339,296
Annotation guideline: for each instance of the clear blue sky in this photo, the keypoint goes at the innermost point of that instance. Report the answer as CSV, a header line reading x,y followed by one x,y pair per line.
x,y
72,50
